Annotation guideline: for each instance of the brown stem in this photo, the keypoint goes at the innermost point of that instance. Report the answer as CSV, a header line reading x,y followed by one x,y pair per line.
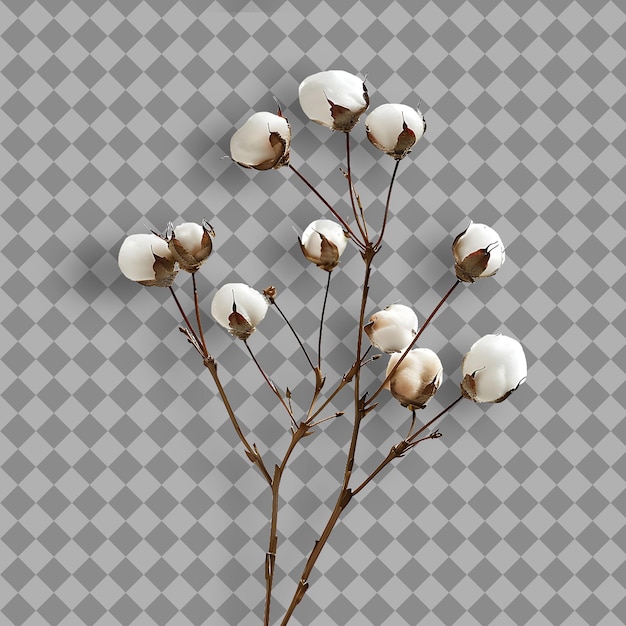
x,y
270,383
413,342
346,378
251,450
303,584
189,331
319,339
412,426
361,408
319,377
406,444
326,419
428,424
196,302
352,192
270,556
342,383
209,362
387,204
345,493
359,403
358,203
295,334
343,222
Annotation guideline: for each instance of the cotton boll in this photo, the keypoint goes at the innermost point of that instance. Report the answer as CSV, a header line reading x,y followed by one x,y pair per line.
x,y
239,308
494,367
393,328
146,259
334,98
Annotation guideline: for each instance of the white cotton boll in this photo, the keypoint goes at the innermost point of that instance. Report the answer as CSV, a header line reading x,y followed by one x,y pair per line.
x,y
334,98
262,142
323,242
138,260
493,368
238,308
393,328
190,235
191,244
416,379
395,128
478,252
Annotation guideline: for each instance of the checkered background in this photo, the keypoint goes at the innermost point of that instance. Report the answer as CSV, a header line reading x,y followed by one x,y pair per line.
x,y
125,496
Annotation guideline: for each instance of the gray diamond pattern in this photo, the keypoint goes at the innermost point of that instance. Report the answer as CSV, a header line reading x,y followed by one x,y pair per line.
x,y
124,495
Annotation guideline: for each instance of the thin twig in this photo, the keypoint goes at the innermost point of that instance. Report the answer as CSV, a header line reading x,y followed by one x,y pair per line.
x,y
198,315
340,385
271,384
387,205
295,334
413,416
209,362
353,192
357,197
251,450
326,419
319,340
433,420
191,333
343,222
407,443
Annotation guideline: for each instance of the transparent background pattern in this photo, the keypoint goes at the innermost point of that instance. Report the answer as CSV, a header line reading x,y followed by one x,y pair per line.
x,y
125,498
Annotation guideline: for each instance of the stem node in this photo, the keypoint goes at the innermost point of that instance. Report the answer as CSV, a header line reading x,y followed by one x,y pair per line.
x,y
345,498
303,585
